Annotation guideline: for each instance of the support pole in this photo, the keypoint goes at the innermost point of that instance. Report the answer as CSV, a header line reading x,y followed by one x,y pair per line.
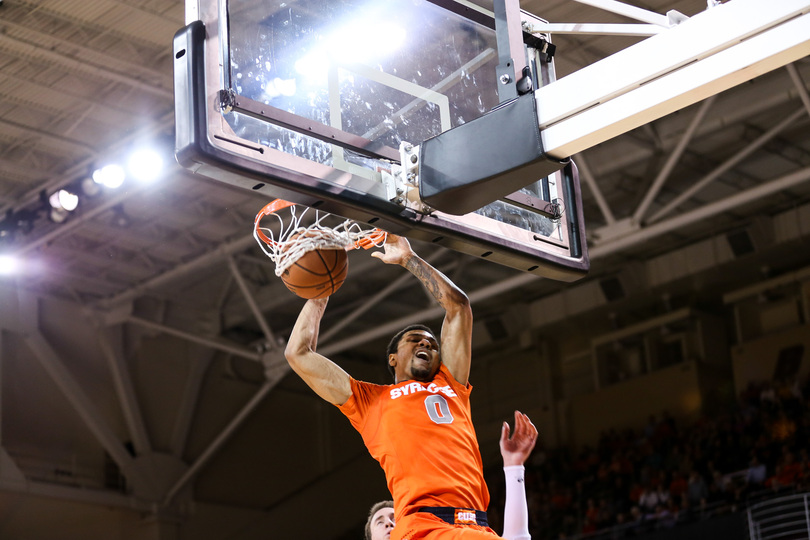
x,y
511,53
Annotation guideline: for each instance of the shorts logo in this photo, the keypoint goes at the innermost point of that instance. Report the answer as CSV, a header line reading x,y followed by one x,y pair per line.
x,y
465,517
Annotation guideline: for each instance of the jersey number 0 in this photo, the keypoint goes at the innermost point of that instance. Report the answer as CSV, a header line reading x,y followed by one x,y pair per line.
x,y
438,410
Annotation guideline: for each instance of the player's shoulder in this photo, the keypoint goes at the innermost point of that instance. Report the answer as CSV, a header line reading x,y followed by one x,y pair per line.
x,y
367,387
446,376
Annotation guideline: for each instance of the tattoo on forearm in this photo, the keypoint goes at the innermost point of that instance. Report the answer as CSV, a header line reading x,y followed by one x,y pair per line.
x,y
420,269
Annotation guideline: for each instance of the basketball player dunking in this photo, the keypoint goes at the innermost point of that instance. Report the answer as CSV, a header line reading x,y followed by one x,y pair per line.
x,y
419,428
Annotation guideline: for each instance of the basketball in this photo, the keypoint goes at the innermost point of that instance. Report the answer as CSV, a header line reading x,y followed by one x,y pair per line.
x,y
318,273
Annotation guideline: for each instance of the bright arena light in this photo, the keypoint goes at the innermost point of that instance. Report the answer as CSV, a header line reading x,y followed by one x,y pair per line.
x,y
145,165
8,265
361,43
64,200
111,176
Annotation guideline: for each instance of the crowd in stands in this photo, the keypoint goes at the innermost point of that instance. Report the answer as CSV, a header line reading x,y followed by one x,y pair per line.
x,y
664,474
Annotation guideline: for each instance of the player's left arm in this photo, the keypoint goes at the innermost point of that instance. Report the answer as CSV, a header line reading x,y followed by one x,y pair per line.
x,y
515,451
456,338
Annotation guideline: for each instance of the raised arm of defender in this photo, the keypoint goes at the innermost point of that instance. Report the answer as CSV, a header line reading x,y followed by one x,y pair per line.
x,y
456,338
326,378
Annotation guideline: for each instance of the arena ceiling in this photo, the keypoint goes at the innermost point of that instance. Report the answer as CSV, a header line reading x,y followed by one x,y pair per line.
x,y
84,82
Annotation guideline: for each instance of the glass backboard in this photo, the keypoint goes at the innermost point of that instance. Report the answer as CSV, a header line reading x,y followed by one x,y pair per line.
x,y
323,102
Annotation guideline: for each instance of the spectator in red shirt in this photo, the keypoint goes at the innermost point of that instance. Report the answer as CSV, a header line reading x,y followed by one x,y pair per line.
x,y
678,485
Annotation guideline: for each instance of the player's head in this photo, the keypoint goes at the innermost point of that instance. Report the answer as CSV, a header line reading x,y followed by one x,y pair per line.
x,y
413,353
380,521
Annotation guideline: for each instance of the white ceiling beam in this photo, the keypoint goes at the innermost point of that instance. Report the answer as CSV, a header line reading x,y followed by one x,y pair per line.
x,y
799,84
270,339
711,52
672,160
593,185
93,57
109,340
213,256
220,441
633,30
72,390
275,294
29,173
208,342
629,11
704,212
188,406
737,110
276,368
83,405
726,165
49,94
54,141
69,63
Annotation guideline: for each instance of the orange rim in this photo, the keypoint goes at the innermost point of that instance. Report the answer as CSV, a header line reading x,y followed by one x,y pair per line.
x,y
270,208
374,239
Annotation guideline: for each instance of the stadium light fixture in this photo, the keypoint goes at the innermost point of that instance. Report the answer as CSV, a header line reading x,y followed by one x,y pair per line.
x,y
145,164
8,265
111,176
64,200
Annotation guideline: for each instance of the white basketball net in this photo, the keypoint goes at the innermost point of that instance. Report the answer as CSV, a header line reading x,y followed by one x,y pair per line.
x,y
293,240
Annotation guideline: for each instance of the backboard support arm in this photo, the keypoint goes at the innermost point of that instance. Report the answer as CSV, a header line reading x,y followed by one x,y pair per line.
x,y
714,50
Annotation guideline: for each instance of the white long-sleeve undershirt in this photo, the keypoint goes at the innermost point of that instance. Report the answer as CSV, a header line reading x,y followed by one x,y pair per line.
x,y
515,511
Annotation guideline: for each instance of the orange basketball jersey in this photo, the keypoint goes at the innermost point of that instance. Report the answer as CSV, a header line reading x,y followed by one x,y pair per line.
x,y
422,435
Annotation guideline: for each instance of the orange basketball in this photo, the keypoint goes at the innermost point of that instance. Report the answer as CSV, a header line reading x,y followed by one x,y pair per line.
x,y
317,274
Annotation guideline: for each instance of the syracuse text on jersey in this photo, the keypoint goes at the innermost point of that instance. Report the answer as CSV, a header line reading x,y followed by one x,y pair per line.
x,y
412,388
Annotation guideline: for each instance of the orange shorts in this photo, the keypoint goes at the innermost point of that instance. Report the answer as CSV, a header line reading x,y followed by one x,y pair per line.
x,y
424,526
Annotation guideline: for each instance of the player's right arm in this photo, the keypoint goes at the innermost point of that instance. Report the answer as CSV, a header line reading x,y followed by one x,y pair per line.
x,y
326,378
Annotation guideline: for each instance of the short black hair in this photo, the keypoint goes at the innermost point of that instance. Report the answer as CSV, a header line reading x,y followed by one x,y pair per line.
x,y
394,343
374,509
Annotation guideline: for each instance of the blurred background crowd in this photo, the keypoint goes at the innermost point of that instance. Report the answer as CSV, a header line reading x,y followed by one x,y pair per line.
x,y
663,474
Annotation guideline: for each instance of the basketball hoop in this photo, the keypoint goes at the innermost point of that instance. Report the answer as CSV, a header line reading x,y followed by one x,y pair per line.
x,y
294,239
